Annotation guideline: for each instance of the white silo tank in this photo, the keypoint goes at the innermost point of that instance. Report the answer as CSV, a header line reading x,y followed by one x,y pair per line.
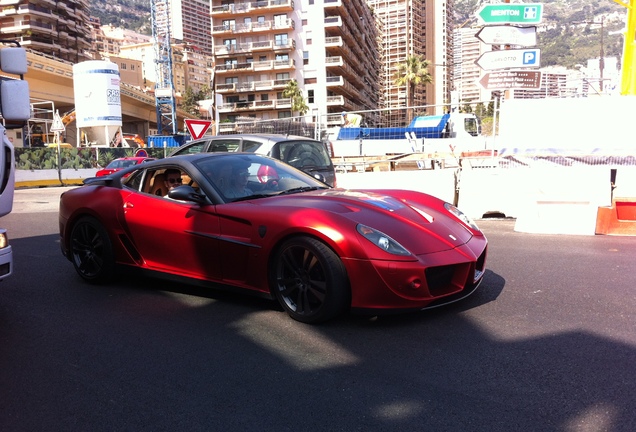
x,y
97,94
97,100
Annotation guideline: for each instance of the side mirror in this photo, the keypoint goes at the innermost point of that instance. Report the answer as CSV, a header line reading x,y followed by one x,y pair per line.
x,y
186,193
14,100
15,106
13,60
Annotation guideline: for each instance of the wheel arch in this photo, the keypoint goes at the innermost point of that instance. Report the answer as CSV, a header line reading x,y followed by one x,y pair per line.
x,y
303,234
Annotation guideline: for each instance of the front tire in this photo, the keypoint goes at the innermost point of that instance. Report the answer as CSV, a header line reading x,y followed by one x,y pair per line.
x,y
91,251
310,281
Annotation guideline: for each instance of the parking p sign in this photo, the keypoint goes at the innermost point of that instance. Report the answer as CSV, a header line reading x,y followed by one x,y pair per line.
x,y
530,58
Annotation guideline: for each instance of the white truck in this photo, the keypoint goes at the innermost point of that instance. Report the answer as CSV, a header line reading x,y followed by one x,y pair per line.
x,y
15,110
433,134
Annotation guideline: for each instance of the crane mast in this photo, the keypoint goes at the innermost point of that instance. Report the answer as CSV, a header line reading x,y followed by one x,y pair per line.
x,y
165,104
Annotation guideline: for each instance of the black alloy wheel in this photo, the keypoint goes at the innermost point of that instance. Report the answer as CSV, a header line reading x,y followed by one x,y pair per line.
x,y
310,281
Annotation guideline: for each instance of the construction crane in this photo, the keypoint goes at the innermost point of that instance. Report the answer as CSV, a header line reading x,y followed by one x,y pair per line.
x,y
165,103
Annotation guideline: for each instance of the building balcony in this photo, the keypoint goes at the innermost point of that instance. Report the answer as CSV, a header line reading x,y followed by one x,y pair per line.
x,y
335,100
335,81
288,45
240,106
232,10
332,4
333,42
226,88
252,86
257,27
234,67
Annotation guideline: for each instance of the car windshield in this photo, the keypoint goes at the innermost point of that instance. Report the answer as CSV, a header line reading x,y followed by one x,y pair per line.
x,y
121,163
240,177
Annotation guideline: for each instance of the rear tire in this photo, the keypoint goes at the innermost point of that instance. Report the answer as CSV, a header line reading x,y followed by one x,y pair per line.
x,y
310,281
91,250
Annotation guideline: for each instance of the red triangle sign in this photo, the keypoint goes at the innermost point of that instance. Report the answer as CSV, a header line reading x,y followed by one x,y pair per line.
x,y
197,128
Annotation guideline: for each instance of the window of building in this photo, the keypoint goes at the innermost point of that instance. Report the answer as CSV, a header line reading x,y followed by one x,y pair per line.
x,y
284,114
305,57
231,80
264,97
304,21
260,19
229,24
282,76
280,20
123,66
310,96
311,81
282,56
280,39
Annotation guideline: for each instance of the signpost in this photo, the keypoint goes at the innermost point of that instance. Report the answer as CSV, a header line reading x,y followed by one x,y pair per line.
x,y
508,35
506,59
512,79
510,13
197,128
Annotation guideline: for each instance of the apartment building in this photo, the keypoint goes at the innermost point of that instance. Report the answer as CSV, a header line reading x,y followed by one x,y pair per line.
x,y
107,39
190,24
190,67
467,49
329,47
420,28
58,28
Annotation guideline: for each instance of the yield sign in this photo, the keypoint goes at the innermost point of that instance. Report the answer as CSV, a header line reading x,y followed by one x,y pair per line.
x,y
197,128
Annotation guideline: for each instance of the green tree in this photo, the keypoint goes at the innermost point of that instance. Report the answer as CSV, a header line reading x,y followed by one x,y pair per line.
x,y
293,92
412,73
189,102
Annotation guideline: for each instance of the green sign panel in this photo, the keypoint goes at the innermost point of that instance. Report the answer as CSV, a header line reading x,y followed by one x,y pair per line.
x,y
506,13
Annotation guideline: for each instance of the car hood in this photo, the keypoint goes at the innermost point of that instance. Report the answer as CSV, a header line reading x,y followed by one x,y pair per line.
x,y
418,221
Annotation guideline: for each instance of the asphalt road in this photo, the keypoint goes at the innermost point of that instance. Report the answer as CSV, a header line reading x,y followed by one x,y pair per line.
x,y
546,344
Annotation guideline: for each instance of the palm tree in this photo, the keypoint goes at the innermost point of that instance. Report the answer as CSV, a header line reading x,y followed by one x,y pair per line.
x,y
413,72
293,92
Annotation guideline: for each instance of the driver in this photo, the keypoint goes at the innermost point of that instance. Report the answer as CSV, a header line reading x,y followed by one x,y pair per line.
x,y
239,177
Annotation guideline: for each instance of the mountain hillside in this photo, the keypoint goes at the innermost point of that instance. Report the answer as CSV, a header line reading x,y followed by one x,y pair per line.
x,y
566,37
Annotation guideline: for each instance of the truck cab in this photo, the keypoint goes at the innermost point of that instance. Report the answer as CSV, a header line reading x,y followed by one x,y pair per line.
x,y
15,110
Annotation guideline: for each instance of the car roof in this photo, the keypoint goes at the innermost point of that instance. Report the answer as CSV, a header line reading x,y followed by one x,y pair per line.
x,y
137,158
264,136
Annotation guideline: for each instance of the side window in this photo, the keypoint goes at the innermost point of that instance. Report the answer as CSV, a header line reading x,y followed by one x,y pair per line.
x,y
250,146
224,145
300,154
190,149
134,180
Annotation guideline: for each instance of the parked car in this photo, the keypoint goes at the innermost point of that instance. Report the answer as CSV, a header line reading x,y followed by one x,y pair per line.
x,y
319,251
121,163
303,153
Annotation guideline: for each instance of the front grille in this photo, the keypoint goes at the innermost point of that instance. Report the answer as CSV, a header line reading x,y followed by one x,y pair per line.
x,y
5,269
440,279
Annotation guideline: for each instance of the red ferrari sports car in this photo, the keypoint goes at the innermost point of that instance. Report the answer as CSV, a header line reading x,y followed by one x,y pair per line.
x,y
319,251
121,163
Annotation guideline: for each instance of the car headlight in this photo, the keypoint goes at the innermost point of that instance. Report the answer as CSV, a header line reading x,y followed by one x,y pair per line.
x,y
461,216
382,240
4,240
